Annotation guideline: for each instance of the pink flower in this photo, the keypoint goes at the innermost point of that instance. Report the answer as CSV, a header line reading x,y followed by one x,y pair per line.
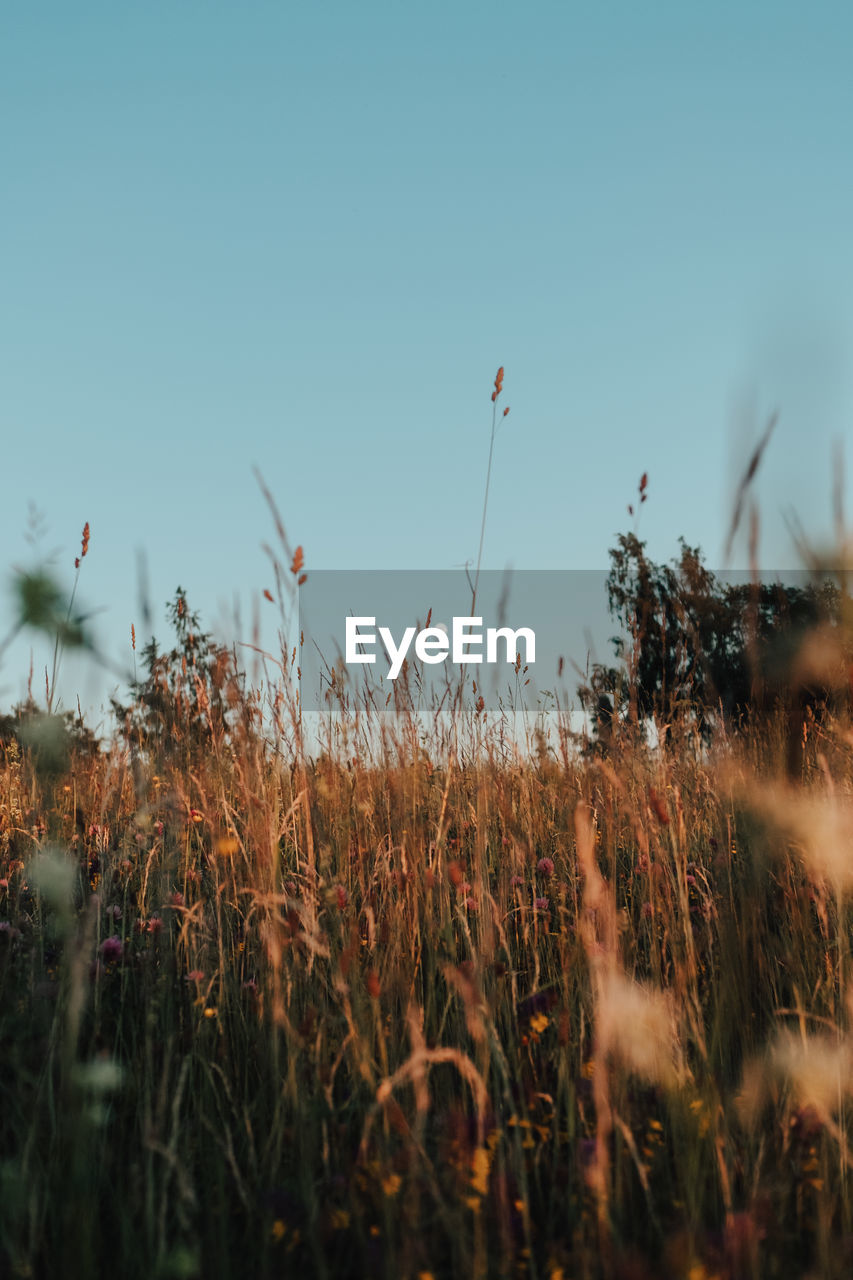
x,y
545,867
112,948
541,904
516,882
471,904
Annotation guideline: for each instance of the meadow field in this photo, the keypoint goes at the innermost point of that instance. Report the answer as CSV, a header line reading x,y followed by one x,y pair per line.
x,y
420,1005
323,954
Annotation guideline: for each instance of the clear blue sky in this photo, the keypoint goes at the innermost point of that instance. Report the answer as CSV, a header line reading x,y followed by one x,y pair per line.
x,y
303,238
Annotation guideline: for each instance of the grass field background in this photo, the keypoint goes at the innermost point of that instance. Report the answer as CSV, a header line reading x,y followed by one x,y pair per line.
x,y
403,1008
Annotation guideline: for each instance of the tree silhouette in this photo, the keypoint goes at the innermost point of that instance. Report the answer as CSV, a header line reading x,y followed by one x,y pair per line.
x,y
694,648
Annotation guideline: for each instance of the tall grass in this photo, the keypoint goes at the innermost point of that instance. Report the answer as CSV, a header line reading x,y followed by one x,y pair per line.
x,y
421,1005
554,1016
